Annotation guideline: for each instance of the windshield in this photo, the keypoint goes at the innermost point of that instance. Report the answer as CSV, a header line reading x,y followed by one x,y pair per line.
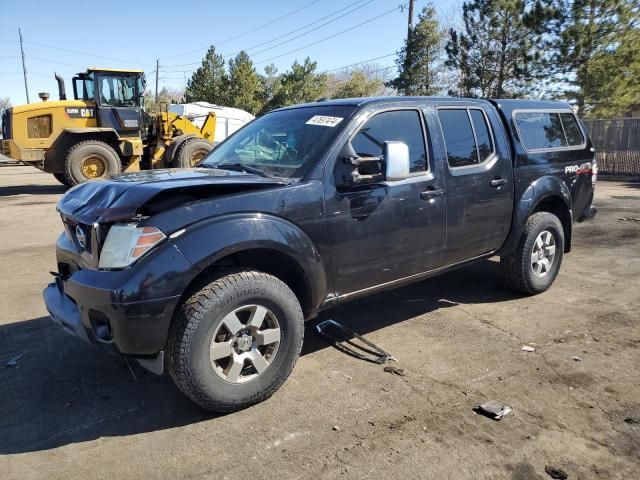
x,y
283,143
118,91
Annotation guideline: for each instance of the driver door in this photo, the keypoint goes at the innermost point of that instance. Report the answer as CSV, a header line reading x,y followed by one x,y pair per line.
x,y
385,231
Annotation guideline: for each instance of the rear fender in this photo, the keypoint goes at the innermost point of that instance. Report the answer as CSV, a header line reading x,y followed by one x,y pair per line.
x,y
541,190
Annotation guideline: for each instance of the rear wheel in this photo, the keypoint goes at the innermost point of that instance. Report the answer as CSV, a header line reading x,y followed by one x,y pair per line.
x,y
191,152
235,341
91,160
533,266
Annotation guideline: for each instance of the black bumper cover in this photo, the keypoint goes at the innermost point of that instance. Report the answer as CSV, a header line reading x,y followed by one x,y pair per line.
x,y
124,312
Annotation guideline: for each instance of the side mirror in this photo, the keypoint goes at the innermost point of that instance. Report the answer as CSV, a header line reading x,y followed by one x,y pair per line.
x,y
396,158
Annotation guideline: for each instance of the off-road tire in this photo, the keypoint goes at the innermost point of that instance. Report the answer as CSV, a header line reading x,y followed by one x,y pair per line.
x,y
62,179
516,267
189,148
82,150
195,322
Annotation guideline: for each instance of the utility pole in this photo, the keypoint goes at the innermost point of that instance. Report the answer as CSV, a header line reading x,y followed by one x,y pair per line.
x,y
157,74
410,24
24,68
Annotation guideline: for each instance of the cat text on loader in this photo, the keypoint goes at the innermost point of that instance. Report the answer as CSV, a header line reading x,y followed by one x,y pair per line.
x,y
103,131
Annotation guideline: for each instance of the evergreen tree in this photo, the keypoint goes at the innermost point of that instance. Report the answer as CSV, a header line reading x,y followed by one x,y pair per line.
x,y
271,81
495,55
613,86
357,84
245,89
300,84
209,83
597,51
418,61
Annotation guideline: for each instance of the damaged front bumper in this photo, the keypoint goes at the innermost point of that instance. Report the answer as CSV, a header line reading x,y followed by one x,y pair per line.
x,y
126,312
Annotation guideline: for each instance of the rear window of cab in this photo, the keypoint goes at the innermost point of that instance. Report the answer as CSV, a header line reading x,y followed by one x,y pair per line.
x,y
539,130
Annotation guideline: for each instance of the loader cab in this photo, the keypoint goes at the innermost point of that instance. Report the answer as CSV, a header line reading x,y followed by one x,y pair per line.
x,y
118,96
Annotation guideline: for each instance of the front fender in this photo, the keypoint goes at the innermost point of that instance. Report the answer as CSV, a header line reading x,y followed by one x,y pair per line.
x,y
536,192
209,241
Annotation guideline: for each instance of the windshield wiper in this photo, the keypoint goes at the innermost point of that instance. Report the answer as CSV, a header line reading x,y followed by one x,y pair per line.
x,y
239,167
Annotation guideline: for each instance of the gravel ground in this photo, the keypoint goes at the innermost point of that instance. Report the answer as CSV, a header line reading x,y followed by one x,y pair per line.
x,y
70,411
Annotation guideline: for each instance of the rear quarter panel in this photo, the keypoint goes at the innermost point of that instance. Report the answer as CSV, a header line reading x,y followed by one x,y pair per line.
x,y
564,172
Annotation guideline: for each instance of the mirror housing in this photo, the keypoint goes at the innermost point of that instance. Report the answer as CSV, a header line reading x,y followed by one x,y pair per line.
x,y
396,157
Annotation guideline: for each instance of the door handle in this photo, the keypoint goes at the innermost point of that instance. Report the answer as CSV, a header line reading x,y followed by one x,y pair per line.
x,y
498,182
429,194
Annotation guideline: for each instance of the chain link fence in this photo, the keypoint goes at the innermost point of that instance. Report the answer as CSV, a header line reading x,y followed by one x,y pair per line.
x,y
617,144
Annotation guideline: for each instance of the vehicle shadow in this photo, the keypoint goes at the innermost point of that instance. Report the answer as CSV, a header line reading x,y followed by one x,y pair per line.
x,y
61,391
32,190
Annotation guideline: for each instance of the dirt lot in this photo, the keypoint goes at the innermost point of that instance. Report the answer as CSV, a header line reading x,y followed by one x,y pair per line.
x,y
67,410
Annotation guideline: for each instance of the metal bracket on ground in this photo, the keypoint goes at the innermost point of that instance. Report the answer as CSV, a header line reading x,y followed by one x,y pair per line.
x,y
330,330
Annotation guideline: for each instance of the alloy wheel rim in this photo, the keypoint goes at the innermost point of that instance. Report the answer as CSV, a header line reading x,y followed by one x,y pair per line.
x,y
543,253
197,156
94,167
245,343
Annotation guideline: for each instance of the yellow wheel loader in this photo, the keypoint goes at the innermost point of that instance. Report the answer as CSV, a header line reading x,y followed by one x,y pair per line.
x,y
103,131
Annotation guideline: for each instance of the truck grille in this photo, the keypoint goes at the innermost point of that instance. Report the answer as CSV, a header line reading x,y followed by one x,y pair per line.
x,y
88,240
79,234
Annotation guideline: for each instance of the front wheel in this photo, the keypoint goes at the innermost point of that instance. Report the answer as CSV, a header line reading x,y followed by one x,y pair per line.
x,y
533,266
90,160
191,152
235,341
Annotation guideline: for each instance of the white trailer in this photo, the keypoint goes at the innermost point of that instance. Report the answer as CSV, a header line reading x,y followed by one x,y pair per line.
x,y
228,119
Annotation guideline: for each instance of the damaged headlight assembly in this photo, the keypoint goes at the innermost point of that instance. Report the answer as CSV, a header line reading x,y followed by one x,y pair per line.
x,y
126,243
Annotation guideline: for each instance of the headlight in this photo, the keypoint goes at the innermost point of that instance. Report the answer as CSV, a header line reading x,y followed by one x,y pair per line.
x,y
127,243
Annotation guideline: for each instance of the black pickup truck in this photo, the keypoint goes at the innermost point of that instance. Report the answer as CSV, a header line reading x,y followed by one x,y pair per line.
x,y
209,273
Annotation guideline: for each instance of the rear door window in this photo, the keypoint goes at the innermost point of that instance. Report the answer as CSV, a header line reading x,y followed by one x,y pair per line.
x,y
467,136
483,135
571,129
540,130
458,137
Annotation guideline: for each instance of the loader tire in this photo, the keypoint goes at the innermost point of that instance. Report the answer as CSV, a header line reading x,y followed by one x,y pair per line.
x,y
62,179
91,160
191,152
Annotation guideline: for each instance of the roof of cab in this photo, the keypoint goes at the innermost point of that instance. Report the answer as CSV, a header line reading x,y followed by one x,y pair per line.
x,y
505,104
115,70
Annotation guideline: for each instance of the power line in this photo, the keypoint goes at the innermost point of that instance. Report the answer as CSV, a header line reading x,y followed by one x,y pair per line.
x,y
248,31
307,32
77,52
395,9
54,62
359,63
291,32
326,71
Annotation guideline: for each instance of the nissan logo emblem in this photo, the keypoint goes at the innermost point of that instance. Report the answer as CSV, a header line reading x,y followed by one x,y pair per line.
x,y
82,237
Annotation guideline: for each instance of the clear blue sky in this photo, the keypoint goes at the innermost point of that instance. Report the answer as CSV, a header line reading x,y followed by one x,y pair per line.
x,y
69,36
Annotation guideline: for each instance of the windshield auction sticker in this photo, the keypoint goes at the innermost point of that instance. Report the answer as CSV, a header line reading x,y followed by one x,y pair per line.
x,y
324,121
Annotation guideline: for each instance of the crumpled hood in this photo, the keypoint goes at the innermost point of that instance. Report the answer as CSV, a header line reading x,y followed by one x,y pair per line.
x,y
120,198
